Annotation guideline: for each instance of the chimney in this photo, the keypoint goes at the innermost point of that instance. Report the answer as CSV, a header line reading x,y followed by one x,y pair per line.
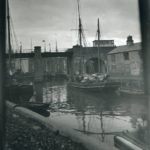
x,y
130,40
37,50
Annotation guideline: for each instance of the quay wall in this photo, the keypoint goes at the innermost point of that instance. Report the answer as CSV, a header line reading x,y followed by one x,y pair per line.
x,y
76,136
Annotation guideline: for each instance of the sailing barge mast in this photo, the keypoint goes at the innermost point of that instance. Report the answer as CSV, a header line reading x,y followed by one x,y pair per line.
x,y
98,35
9,40
81,38
80,25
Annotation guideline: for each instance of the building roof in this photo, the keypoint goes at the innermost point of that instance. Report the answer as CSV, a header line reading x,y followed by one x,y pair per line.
x,y
77,47
103,40
126,48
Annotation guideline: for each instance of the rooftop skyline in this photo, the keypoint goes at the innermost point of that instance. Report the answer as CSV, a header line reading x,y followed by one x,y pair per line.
x,y
49,21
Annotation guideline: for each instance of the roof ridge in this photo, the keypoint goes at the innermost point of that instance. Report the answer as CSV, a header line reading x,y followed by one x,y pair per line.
x,y
124,48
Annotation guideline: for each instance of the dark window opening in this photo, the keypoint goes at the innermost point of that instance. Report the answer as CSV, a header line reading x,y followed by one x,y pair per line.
x,y
126,56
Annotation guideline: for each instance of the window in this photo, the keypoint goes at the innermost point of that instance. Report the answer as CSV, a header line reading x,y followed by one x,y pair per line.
x,y
113,58
126,56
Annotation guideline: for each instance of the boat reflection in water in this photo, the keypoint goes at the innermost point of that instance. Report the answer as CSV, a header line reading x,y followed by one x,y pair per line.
x,y
36,103
100,116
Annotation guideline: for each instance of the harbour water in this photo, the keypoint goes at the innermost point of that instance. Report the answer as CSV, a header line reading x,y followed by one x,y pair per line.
x,y
96,116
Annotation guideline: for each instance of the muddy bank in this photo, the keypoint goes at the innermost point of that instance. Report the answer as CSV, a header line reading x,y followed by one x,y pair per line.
x,y
27,134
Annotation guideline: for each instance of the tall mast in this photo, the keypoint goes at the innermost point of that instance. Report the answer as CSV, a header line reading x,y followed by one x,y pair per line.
x,y
20,53
31,45
56,47
9,40
98,36
80,38
57,59
98,31
49,47
80,25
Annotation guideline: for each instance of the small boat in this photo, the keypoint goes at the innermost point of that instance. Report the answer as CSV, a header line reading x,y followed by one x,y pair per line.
x,y
97,80
18,92
15,90
107,86
40,108
36,106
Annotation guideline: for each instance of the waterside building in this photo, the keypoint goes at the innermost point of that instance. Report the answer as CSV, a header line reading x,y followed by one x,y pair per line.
x,y
85,59
125,65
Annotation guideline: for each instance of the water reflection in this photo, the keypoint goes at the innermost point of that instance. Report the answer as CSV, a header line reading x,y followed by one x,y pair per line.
x,y
99,116
38,87
54,91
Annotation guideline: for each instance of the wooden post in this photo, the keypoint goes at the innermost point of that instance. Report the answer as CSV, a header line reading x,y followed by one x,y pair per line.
x,y
144,6
2,69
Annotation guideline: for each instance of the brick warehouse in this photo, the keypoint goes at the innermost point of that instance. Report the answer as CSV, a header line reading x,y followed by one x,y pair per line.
x,y
125,65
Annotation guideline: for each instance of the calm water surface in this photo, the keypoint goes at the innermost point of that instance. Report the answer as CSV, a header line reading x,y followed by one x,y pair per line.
x,y
99,116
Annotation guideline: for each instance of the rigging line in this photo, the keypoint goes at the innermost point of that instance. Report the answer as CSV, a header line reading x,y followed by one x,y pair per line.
x,y
84,39
95,36
9,41
12,41
10,23
14,33
74,22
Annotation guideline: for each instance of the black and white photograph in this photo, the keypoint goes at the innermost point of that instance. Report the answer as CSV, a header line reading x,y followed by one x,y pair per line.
x,y
74,74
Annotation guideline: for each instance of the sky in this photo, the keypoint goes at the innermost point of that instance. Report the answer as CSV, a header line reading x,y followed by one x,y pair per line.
x,y
56,20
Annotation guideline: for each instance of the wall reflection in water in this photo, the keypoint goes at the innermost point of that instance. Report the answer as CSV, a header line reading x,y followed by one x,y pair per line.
x,y
38,90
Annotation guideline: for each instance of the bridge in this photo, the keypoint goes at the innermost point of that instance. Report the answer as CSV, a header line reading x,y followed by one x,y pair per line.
x,y
43,54
41,64
73,61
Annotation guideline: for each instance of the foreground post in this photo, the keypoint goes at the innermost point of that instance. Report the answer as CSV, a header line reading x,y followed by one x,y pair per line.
x,y
2,64
144,6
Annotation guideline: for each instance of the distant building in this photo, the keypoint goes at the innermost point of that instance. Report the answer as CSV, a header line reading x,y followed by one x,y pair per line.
x,y
52,66
85,59
125,65
19,64
22,64
103,43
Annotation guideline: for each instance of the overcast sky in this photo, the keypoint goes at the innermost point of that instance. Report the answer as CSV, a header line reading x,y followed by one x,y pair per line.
x,y
52,20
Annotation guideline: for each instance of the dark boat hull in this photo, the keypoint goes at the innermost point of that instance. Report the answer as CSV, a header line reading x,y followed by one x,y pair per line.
x,y
40,108
36,106
18,93
99,87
